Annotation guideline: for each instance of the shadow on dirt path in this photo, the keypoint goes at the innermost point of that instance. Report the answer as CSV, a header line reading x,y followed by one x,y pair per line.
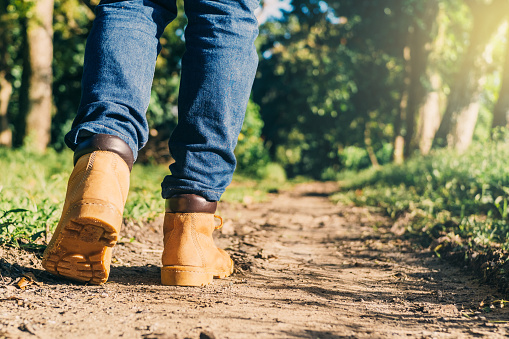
x,y
305,268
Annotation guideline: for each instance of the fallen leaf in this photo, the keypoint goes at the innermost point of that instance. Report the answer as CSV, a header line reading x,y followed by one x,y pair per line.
x,y
32,277
24,283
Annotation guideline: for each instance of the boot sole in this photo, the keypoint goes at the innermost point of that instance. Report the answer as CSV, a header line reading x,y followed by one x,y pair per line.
x,y
82,250
190,276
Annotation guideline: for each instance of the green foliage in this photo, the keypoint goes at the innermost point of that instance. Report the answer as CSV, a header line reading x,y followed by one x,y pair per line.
x,y
252,156
355,158
72,23
446,192
303,87
273,172
331,71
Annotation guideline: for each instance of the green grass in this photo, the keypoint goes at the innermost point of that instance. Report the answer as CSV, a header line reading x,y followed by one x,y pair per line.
x,y
444,194
32,190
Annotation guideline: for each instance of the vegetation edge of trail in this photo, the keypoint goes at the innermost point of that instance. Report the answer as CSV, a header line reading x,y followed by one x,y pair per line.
x,y
453,204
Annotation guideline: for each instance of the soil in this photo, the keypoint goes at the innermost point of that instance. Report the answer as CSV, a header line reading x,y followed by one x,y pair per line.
x,y
305,268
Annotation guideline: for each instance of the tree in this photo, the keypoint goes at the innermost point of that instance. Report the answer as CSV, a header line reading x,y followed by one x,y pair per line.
x,y
40,57
303,87
330,77
421,36
429,114
458,123
430,110
416,52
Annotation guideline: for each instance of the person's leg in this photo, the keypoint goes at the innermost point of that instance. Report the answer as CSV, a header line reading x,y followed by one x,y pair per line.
x,y
119,66
107,133
218,70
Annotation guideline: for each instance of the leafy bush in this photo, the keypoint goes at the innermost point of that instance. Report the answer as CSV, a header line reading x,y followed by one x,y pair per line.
x,y
355,158
272,172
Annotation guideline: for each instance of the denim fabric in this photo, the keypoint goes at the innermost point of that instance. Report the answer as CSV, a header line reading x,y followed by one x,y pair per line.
x,y
218,70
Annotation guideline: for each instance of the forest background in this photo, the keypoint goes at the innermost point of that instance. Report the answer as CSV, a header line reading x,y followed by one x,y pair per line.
x,y
343,84
404,102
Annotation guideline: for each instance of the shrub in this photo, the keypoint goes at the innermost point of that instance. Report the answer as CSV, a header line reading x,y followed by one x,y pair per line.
x,y
250,151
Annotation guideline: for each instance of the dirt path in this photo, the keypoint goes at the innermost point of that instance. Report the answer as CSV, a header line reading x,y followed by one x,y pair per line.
x,y
305,269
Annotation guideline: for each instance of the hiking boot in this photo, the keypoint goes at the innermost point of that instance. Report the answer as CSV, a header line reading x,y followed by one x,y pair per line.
x,y
80,248
190,257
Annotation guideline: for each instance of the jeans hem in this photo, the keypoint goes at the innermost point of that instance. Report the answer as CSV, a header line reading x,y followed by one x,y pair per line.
x,y
71,138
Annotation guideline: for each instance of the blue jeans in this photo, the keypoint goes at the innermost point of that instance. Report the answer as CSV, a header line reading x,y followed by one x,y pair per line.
x,y
218,70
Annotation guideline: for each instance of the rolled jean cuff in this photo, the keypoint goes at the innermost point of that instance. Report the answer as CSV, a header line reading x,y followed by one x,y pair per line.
x,y
86,130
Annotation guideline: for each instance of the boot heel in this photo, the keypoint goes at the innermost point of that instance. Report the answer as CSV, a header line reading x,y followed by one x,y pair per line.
x,y
81,246
185,276
96,213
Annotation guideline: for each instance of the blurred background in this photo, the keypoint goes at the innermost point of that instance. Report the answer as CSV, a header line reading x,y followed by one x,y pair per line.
x,y
341,85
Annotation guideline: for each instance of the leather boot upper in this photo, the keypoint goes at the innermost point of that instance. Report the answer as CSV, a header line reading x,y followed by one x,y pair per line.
x,y
101,176
188,242
101,173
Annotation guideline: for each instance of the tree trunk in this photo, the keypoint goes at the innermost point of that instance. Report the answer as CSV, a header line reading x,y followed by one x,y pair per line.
x,y
463,104
40,54
416,55
369,146
429,115
399,141
465,125
431,108
399,148
419,54
501,110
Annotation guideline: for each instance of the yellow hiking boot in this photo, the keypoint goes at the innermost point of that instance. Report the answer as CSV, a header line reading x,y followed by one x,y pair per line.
x,y
190,257
80,248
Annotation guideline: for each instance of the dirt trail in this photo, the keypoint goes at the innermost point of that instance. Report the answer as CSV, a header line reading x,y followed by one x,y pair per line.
x,y
305,269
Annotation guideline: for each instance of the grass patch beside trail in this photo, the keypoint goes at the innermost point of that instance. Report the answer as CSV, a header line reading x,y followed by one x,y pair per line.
x,y
32,190
456,203
445,193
